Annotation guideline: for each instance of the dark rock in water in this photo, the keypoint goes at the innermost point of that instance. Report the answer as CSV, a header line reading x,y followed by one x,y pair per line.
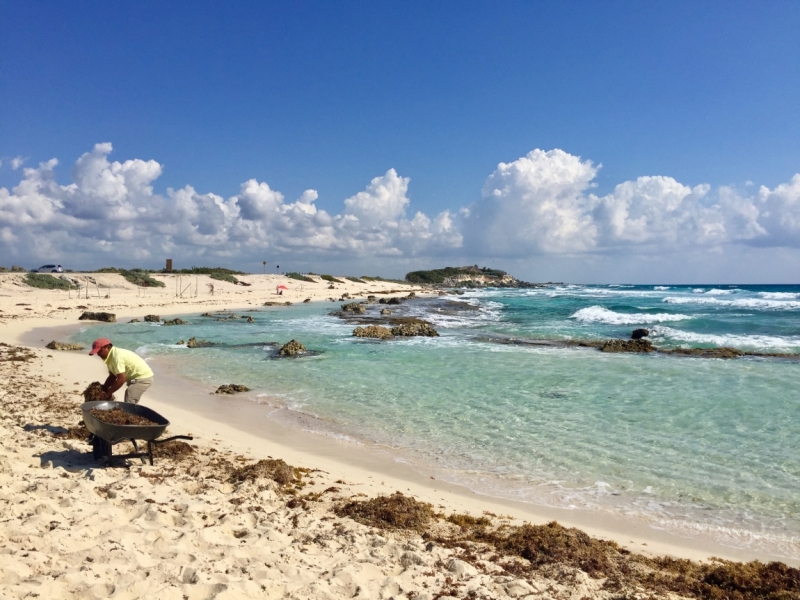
x,y
195,343
287,303
627,346
722,352
293,348
638,334
134,321
394,300
385,311
373,331
443,293
98,316
232,388
412,295
181,342
414,328
94,392
307,300
250,319
354,308
176,322
54,345
152,319
371,298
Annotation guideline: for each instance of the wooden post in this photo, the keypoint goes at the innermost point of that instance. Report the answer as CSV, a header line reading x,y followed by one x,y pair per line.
x,y
169,265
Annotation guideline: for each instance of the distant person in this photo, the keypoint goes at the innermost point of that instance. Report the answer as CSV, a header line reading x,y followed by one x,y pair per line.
x,y
124,366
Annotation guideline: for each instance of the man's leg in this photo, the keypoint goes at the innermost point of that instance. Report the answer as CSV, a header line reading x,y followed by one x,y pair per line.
x,y
134,391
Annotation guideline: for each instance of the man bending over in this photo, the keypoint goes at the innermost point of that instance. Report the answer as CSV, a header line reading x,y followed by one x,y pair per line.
x,y
123,366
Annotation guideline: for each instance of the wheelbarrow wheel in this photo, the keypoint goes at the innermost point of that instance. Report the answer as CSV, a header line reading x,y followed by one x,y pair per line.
x,y
100,448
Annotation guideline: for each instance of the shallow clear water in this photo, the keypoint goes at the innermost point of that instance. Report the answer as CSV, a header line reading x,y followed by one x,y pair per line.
x,y
688,444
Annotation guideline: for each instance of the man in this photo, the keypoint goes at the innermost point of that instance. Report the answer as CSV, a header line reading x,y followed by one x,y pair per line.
x,y
123,366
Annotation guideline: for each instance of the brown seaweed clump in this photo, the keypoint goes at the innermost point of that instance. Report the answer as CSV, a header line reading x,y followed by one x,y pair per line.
x,y
174,450
276,470
94,392
232,388
389,512
74,433
553,546
54,345
117,416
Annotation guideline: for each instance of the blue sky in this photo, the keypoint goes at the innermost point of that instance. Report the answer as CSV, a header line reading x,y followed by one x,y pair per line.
x,y
329,96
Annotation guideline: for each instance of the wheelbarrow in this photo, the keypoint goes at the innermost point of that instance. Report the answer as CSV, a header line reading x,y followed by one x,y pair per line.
x,y
107,435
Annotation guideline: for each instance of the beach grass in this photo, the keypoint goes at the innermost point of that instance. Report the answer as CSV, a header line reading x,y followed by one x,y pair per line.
x,y
48,282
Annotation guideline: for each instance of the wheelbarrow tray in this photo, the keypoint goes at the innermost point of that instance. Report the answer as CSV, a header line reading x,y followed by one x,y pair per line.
x,y
116,433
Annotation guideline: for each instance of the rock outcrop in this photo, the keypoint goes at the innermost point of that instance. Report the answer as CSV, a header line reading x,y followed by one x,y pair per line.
x,y
293,348
152,319
232,388
393,300
373,331
54,345
721,352
627,346
354,308
415,328
385,311
106,317
195,343
638,334
176,322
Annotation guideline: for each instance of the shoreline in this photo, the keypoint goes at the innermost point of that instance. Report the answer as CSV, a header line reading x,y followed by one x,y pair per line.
x,y
245,428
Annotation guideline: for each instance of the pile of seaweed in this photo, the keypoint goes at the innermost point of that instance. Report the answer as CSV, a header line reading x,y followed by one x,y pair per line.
x,y
117,416
547,549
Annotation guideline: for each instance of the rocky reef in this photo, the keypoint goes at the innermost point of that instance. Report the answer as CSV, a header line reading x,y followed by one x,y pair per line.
x,y
373,331
106,317
293,348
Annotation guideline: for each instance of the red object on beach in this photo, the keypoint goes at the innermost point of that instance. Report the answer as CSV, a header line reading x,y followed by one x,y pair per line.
x,y
282,287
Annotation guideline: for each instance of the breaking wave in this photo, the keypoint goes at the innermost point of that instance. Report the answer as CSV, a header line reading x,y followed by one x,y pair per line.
x,y
599,314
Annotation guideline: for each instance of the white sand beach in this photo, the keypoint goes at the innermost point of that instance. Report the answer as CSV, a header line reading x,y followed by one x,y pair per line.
x,y
188,528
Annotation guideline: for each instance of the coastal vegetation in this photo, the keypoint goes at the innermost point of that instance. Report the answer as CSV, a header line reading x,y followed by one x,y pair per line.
x,y
48,282
331,278
299,277
441,276
140,278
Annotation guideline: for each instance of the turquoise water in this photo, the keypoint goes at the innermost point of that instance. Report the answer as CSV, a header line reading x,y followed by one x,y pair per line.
x,y
691,445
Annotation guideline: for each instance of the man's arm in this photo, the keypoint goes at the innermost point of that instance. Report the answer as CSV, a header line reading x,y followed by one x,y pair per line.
x,y
113,383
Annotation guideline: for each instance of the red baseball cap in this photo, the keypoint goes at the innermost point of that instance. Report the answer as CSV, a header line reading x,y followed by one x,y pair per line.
x,y
99,343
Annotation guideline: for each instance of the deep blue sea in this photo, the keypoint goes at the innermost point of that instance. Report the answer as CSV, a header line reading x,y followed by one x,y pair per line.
x,y
692,445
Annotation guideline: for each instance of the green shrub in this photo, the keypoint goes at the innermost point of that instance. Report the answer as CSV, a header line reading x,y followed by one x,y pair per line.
x,y
48,282
331,278
140,278
223,276
109,270
300,277
356,280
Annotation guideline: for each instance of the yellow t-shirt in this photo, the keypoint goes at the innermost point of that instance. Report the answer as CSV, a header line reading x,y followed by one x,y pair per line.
x,y
120,360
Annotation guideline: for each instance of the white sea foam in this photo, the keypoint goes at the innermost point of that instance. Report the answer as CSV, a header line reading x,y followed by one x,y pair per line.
x,y
779,295
600,314
763,342
753,303
661,288
718,292
698,291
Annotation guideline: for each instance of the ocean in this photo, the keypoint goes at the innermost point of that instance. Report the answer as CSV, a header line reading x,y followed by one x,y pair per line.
x,y
498,403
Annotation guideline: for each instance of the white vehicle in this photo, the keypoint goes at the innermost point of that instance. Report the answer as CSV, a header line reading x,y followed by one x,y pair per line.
x,y
48,269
